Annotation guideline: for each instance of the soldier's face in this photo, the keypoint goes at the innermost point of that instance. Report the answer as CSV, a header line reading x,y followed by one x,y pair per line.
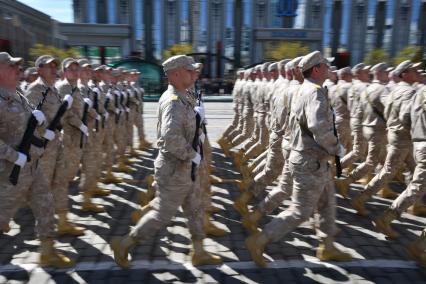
x,y
72,72
409,75
10,72
48,71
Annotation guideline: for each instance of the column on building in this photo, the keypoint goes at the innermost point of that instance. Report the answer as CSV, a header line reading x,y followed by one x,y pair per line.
x,y
260,16
401,25
357,30
216,35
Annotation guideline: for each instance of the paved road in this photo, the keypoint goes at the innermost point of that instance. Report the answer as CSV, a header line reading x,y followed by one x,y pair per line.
x,y
165,258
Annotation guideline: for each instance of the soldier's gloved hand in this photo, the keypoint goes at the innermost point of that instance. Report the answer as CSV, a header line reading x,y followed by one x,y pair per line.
x,y
84,129
96,90
117,111
49,135
88,102
127,109
39,116
118,93
69,99
98,117
131,94
200,111
341,151
124,94
202,137
22,159
197,159
109,95
106,115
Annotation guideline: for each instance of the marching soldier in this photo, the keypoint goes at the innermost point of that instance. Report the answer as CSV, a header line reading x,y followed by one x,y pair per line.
x,y
313,142
174,168
18,118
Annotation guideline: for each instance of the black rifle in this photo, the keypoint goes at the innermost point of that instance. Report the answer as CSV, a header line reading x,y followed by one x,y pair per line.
x,y
127,105
84,120
117,112
96,107
106,104
196,145
123,105
25,145
336,158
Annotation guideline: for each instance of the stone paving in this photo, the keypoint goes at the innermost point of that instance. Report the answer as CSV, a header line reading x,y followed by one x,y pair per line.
x,y
165,258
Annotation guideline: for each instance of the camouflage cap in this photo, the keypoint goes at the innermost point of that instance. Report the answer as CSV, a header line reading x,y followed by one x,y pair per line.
x,y
116,72
273,67
179,61
333,68
407,64
358,67
45,59
344,70
265,66
30,71
5,58
417,65
379,67
312,59
294,63
67,62
282,63
83,62
257,68
389,69
199,66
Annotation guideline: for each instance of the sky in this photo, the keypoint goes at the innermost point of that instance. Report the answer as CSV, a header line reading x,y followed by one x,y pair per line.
x,y
60,10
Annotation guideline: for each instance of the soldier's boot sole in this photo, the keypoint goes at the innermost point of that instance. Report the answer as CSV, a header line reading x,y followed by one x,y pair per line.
x,y
92,207
110,178
416,254
387,193
100,192
256,247
383,226
120,254
55,259
205,258
332,254
417,210
212,230
5,229
70,229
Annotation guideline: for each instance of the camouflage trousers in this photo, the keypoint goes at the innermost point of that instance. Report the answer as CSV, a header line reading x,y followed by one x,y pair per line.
x,y
238,129
69,157
49,158
417,187
247,131
344,133
32,187
129,126
110,127
234,123
90,163
169,197
281,192
139,122
395,160
273,166
359,144
312,189
120,136
261,144
376,153
259,162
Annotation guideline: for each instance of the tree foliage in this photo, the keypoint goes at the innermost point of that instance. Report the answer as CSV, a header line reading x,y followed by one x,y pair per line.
x,y
375,56
285,50
177,49
411,52
60,54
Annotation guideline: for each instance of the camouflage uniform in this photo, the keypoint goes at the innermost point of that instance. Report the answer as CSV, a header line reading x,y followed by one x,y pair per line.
x,y
175,132
112,108
236,95
339,102
69,155
308,164
32,184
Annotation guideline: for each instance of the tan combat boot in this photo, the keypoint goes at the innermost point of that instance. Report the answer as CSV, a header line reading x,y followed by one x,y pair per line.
x,y
256,246
251,220
245,172
238,158
123,167
201,257
211,229
418,208
387,192
365,179
67,228
51,257
5,229
96,191
342,186
111,178
89,206
241,203
383,223
139,213
359,201
416,250
328,252
121,246
133,153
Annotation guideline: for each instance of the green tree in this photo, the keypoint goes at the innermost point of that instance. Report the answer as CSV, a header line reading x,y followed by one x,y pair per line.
x,y
177,49
285,50
411,52
377,55
60,54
